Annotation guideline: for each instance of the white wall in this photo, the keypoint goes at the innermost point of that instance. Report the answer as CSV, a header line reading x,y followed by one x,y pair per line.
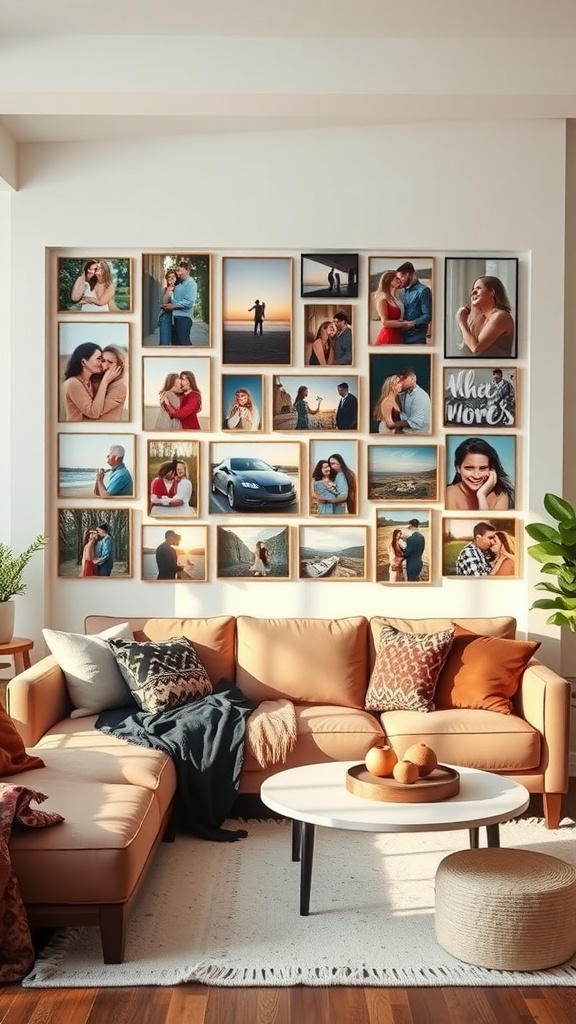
x,y
435,187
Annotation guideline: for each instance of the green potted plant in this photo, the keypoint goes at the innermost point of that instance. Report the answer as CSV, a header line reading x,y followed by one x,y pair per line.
x,y
11,583
556,551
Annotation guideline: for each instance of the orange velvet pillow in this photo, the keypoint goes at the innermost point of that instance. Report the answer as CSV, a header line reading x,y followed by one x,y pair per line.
x,y
482,672
13,756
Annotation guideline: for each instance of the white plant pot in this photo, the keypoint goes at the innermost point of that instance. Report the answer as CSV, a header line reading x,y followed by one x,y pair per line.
x,y
6,621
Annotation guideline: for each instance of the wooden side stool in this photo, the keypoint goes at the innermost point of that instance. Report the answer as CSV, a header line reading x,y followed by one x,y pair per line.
x,y
18,649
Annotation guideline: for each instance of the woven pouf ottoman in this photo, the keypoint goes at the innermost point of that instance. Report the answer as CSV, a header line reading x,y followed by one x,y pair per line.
x,y
510,910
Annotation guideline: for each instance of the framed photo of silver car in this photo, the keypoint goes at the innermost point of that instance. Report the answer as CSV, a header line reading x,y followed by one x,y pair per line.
x,y
257,310
176,392
401,300
301,402
403,472
178,553
91,285
403,546
176,299
485,547
478,397
242,402
333,478
96,466
255,476
334,553
481,307
95,543
173,470
254,552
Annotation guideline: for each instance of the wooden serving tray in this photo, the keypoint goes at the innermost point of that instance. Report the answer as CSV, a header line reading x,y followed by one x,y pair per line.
x,y
441,784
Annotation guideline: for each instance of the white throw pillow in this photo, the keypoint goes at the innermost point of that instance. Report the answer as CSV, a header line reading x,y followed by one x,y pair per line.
x,y
92,676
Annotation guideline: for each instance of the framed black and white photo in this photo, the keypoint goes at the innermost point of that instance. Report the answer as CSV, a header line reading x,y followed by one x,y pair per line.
x,y
478,397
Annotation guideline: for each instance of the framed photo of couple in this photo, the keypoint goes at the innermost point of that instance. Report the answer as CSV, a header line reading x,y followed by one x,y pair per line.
x,y
253,552
481,307
301,402
333,478
178,554
401,300
93,372
94,285
404,546
176,392
336,553
173,479
486,547
329,275
328,334
400,394
181,281
94,543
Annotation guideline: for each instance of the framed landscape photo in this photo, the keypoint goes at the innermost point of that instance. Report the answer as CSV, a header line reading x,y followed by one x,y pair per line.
x,y
481,307
486,548
257,310
96,466
334,553
253,552
255,476
478,397
93,372
333,478
400,394
401,291
329,275
242,402
301,402
403,546
173,470
176,391
328,334
178,553
403,472
480,473
183,279
94,543
94,285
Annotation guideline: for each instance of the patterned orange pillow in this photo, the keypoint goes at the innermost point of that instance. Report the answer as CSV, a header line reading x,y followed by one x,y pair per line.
x,y
406,670
483,672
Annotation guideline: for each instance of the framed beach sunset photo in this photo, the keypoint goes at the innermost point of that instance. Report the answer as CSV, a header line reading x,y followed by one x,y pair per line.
x,y
182,279
253,552
93,372
94,285
178,553
336,553
257,310
301,402
95,543
403,546
96,465
403,472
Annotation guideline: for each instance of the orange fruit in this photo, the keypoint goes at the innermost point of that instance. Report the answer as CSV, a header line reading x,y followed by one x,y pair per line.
x,y
380,760
423,757
405,772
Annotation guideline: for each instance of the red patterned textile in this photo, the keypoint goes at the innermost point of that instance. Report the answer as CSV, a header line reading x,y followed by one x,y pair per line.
x,y
16,949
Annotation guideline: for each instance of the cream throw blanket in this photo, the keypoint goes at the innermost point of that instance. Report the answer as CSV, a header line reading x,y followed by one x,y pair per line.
x,y
271,731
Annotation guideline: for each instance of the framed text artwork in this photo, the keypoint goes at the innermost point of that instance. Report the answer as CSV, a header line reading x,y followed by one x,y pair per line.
x,y
477,397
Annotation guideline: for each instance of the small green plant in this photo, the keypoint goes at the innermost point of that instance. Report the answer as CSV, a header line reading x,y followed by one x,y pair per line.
x,y
12,568
556,551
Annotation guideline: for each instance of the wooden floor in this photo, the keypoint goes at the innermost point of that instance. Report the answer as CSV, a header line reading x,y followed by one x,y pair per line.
x,y
199,1004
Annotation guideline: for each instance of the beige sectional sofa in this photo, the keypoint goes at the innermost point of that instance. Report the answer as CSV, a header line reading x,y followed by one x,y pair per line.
x,y
117,798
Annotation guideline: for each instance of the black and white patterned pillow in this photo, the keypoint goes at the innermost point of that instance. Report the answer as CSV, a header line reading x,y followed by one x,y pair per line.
x,y
161,675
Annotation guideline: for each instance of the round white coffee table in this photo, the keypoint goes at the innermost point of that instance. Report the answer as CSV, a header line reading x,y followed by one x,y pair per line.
x,y
316,794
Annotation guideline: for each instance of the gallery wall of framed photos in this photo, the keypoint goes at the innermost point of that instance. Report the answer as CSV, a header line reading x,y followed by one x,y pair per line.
x,y
313,417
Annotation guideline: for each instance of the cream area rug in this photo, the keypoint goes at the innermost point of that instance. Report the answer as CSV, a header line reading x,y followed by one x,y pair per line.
x,y
227,914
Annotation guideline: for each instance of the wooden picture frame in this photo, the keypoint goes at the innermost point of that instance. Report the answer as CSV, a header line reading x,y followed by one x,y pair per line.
x,y
329,275
404,546
257,310
470,459
328,334
255,476
85,351
492,329
163,375
336,552
293,408
242,402
336,493
173,474
254,552
481,397
190,545
73,526
157,324
100,285
88,466
416,306
390,380
403,472
469,551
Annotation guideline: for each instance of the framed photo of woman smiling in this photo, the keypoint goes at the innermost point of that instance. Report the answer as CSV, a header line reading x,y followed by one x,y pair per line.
x,y
480,473
481,307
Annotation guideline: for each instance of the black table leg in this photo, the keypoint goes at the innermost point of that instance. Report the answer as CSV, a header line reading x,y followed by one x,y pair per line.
x,y
296,840
473,832
306,867
493,835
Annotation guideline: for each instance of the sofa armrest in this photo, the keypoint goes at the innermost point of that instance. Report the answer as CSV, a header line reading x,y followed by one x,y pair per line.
x,y
37,699
543,700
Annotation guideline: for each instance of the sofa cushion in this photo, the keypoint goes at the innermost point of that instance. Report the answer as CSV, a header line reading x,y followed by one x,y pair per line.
x,y
313,661
13,755
92,677
406,669
161,676
483,672
213,638
502,625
